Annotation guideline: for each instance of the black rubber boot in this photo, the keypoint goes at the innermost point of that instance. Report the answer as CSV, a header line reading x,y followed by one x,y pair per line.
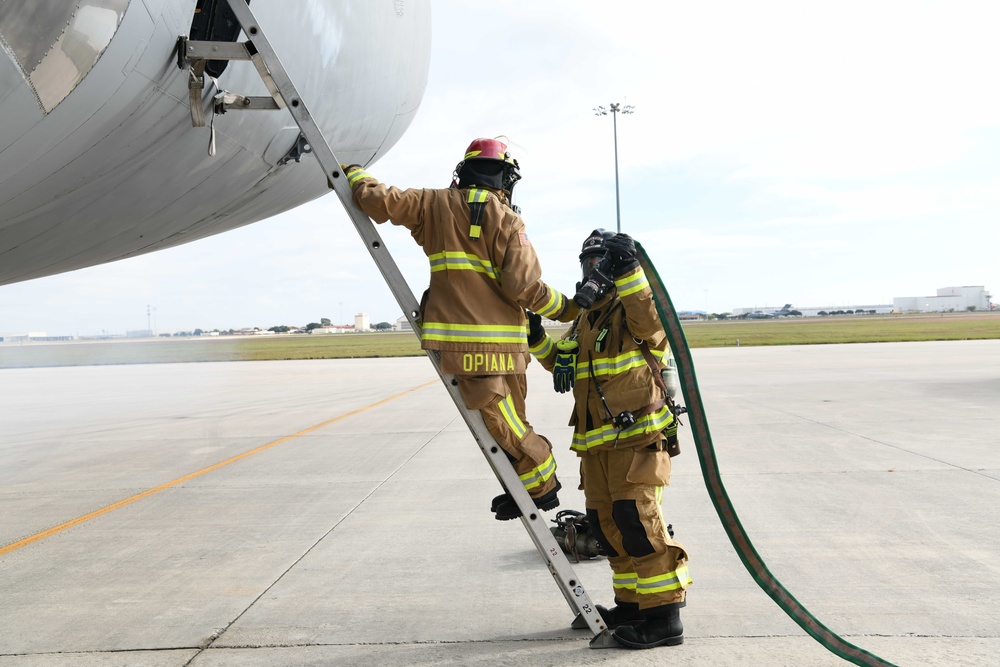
x,y
661,626
503,497
507,509
623,613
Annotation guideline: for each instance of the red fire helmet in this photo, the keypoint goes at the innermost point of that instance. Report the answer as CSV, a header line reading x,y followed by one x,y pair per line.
x,y
492,149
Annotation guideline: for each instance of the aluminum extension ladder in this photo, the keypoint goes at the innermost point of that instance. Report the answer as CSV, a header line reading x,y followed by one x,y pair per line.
x,y
192,55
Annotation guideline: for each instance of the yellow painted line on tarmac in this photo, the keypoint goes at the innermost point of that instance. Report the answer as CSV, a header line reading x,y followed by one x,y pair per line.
x,y
180,480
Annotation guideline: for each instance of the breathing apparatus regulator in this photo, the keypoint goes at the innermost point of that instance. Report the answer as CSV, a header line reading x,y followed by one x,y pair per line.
x,y
575,537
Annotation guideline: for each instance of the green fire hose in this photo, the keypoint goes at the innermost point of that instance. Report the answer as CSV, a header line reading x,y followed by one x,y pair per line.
x,y
717,492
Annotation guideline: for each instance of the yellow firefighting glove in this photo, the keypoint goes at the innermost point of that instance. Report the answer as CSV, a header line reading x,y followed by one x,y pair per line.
x,y
564,371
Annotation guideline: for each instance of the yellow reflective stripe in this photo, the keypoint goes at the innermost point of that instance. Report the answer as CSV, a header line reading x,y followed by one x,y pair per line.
x,y
656,421
356,176
538,476
542,348
553,306
671,581
625,580
476,197
474,333
510,416
461,261
612,366
616,365
631,283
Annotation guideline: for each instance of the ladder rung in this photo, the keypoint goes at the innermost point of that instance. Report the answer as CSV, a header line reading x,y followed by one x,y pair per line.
x,y
199,50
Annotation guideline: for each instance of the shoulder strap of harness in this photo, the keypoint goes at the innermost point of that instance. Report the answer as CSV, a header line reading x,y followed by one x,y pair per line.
x,y
477,205
653,366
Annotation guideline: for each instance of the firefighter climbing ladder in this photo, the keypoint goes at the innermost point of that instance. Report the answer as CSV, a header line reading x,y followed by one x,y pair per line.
x,y
193,54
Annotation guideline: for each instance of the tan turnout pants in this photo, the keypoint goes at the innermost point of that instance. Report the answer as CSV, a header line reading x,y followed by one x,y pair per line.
x,y
500,400
624,488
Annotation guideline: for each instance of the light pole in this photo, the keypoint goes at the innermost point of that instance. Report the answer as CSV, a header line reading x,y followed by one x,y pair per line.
x,y
615,109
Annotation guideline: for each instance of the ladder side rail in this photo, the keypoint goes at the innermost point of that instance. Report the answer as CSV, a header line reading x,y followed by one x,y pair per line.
x,y
553,556
570,585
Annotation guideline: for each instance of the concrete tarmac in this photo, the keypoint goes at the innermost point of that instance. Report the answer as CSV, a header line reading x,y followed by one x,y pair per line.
x,y
336,513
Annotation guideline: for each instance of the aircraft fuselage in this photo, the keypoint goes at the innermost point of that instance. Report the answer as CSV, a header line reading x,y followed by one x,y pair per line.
x,y
98,157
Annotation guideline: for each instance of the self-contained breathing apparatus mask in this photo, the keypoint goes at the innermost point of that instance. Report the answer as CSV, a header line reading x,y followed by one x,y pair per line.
x,y
597,281
596,265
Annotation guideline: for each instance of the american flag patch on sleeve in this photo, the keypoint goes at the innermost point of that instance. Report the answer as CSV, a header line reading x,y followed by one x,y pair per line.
x,y
523,236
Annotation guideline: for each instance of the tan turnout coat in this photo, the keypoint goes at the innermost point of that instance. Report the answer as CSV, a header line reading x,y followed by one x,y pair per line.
x,y
481,280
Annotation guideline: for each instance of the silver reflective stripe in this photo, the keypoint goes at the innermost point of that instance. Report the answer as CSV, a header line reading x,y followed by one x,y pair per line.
x,y
513,420
471,333
632,285
670,581
543,348
539,475
608,433
553,306
460,261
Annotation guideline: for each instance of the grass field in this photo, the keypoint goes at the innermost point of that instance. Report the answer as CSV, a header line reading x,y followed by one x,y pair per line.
x,y
841,329
800,331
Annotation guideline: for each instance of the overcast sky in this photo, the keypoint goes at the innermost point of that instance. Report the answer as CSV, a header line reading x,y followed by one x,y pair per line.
x,y
818,154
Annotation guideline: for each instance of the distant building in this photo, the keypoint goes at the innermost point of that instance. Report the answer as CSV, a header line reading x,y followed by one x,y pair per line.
x,y
865,308
33,337
362,323
402,324
948,299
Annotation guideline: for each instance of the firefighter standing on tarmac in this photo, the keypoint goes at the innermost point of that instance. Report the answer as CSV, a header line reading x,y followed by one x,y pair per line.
x,y
624,434
484,274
